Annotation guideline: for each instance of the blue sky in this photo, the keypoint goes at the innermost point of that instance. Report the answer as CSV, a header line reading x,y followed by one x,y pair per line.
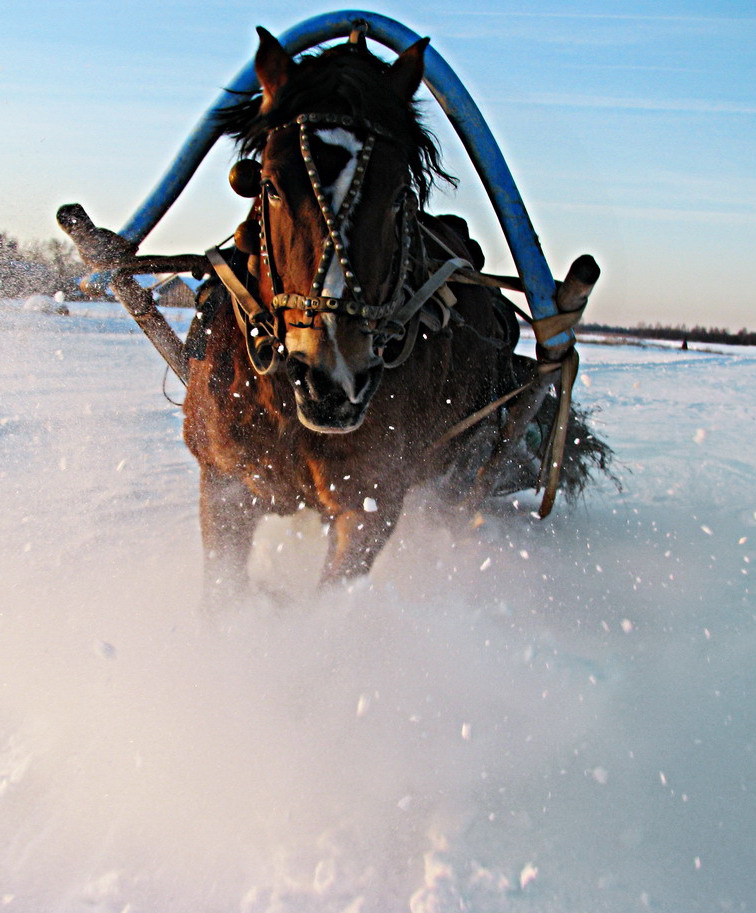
x,y
629,128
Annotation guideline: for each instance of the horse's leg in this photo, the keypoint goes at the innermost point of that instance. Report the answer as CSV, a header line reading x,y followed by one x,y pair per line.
x,y
228,518
354,540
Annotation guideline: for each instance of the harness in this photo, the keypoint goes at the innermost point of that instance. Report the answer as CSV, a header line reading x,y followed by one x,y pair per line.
x,y
396,318
262,327
400,315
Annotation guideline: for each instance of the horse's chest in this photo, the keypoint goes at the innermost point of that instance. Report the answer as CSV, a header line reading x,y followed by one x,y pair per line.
x,y
293,468
287,468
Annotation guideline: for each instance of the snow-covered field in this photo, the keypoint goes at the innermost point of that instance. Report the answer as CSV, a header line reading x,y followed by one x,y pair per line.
x,y
521,716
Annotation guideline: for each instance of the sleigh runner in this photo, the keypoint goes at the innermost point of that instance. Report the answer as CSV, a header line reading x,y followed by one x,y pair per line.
x,y
348,343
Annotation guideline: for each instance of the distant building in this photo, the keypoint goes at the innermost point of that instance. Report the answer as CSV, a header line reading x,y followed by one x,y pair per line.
x,y
177,292
170,290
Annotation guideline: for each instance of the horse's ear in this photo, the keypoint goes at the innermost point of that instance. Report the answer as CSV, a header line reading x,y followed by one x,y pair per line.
x,y
272,65
406,72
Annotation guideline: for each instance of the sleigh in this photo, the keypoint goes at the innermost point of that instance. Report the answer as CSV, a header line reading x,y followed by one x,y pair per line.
x,y
432,286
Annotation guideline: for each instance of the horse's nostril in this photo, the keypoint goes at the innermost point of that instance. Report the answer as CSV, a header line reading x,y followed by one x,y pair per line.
x,y
297,370
361,380
312,382
321,384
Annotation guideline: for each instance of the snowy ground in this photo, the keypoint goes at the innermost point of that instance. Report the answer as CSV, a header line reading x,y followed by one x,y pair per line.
x,y
568,726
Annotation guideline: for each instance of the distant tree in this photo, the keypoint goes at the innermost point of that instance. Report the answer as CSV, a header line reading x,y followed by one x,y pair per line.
x,y
64,264
44,267
13,268
8,245
698,333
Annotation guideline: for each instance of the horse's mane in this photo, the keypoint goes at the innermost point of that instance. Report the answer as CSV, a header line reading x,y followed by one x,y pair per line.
x,y
341,80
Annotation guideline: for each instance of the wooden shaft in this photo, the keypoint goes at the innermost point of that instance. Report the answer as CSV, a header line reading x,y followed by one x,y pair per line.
x,y
139,303
195,264
573,293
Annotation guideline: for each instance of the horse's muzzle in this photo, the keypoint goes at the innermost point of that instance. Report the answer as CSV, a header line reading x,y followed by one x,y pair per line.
x,y
325,403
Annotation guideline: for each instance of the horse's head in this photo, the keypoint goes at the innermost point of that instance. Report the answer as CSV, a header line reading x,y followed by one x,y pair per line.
x,y
343,161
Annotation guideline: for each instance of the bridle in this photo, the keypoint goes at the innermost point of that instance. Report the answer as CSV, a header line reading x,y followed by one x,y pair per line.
x,y
335,245
263,327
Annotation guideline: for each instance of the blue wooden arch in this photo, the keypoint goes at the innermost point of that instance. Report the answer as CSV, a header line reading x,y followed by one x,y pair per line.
x,y
455,101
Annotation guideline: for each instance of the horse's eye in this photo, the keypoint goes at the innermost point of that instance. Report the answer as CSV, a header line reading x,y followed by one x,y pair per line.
x,y
399,199
270,191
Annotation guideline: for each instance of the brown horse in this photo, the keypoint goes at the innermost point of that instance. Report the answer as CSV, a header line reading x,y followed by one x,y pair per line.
x,y
321,381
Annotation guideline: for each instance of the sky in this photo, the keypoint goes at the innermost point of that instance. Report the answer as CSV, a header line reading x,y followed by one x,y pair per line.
x,y
629,128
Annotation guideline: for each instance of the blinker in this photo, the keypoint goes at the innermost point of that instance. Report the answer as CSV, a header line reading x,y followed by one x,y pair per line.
x,y
244,178
247,237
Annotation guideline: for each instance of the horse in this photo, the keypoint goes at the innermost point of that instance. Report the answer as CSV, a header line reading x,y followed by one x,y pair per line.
x,y
324,370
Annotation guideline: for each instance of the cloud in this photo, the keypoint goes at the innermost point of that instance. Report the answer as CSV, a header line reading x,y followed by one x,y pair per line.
x,y
596,30
655,213
681,105
621,17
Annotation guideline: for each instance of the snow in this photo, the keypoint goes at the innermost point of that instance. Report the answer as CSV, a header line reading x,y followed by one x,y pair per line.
x,y
571,730
44,304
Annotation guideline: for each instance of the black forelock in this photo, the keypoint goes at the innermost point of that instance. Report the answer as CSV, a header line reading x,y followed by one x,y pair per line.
x,y
340,80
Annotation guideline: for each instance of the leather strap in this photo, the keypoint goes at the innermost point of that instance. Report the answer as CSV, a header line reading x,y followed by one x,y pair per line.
x,y
248,303
552,460
548,327
478,416
434,282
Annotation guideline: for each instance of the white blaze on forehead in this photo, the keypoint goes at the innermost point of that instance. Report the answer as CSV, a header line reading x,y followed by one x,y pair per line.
x,y
348,141
333,284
